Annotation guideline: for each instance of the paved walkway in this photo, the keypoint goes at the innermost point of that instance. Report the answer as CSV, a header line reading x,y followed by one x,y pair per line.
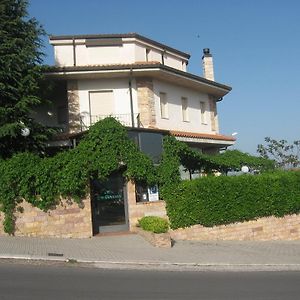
x,y
133,250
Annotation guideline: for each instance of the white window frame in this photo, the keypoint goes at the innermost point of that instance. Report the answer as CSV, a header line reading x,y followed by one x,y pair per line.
x,y
163,102
203,112
185,109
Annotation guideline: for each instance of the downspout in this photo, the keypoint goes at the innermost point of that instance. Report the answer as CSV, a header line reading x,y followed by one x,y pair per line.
x,y
131,100
74,52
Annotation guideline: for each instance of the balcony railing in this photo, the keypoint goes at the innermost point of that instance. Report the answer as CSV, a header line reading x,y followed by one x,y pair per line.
x,y
87,120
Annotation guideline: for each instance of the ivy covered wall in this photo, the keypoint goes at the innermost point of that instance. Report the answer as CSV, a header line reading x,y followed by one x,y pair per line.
x,y
106,148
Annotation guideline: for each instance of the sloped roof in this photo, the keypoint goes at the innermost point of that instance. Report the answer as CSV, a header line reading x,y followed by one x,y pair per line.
x,y
207,136
135,66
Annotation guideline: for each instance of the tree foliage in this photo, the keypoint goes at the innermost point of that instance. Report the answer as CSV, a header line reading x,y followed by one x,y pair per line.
x,y
177,153
43,181
284,154
20,74
105,149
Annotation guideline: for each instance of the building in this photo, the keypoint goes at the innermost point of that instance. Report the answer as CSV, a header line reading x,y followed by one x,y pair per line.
x,y
141,82
145,85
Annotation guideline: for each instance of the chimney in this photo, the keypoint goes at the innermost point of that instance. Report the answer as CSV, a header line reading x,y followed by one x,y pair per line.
x,y
208,65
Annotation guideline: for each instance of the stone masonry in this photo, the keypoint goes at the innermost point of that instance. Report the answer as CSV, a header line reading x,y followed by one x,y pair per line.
x,y
146,103
213,114
68,220
263,229
137,210
73,107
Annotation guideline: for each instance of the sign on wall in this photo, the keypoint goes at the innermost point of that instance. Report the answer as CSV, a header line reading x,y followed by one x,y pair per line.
x,y
153,193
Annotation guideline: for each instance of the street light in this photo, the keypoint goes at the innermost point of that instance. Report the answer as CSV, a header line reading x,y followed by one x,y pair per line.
x,y
245,169
25,131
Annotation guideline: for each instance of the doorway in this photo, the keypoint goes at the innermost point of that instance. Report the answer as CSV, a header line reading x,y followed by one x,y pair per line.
x,y
109,204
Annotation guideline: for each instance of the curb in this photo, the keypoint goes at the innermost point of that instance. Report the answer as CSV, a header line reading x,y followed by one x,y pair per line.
x,y
162,266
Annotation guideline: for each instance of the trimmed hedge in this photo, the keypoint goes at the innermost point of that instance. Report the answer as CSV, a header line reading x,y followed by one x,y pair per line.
x,y
154,224
222,200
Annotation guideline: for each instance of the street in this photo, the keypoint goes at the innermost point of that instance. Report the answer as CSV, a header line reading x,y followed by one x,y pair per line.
x,y
31,281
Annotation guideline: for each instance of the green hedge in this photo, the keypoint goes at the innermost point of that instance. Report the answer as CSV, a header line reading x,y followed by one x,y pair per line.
x,y
222,200
154,224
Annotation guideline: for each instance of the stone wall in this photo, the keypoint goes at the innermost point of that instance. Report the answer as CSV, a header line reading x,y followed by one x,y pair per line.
x,y
68,220
264,229
73,106
146,104
137,210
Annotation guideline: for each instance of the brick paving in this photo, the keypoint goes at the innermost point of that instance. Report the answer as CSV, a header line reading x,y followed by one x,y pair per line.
x,y
133,248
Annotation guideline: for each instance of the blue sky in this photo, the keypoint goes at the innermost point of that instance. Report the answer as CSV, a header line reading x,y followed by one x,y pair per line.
x,y
255,44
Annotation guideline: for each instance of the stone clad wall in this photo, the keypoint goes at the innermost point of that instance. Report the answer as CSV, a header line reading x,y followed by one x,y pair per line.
x,y
68,220
73,106
146,104
138,210
264,229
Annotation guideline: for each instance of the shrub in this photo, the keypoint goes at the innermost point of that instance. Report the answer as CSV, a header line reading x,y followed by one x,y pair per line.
x,y
154,224
222,200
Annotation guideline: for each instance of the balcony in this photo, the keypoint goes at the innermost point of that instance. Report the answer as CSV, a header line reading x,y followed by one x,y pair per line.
x,y
127,120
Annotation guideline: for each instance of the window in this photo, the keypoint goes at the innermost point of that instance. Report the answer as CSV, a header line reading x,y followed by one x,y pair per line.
x,y
203,112
150,143
184,108
101,105
163,105
62,114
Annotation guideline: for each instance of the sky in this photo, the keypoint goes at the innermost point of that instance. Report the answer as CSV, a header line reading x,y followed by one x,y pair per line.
x,y
255,46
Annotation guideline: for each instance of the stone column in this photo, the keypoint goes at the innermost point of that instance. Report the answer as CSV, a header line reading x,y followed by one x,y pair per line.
x,y
213,114
73,106
131,203
146,102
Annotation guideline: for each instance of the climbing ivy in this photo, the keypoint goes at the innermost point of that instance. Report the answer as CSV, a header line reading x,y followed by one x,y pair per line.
x,y
44,181
177,153
105,149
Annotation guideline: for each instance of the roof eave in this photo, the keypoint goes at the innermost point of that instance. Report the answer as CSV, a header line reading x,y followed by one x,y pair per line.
x,y
155,70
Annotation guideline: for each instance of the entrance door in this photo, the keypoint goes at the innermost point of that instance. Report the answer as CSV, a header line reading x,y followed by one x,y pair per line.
x,y
109,201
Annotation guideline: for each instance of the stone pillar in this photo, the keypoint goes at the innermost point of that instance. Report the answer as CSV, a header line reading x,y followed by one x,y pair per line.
x,y
213,114
131,202
146,102
73,107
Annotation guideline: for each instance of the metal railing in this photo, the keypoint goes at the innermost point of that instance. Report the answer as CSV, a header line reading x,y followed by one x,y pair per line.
x,y
87,120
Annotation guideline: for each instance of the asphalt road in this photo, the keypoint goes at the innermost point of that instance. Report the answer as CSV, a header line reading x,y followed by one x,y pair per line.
x,y
25,281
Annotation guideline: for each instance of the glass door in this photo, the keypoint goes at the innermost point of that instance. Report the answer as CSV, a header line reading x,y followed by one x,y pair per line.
x,y
109,209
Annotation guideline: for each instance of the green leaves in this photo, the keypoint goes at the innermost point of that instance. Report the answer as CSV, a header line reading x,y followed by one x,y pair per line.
x,y
43,181
154,224
19,79
284,154
222,200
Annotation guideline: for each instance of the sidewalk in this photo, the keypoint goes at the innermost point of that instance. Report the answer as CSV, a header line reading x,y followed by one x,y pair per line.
x,y
132,251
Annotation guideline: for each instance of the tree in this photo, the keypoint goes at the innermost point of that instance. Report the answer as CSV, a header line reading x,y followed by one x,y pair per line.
x,y
285,155
20,74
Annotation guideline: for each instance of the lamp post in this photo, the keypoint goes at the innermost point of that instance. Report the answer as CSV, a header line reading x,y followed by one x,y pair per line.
x,y
25,131
245,169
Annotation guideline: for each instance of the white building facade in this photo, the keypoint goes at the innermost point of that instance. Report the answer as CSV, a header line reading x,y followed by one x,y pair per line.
x,y
139,81
145,85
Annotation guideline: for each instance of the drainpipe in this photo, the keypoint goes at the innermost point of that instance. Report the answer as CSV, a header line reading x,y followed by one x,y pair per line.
x,y
131,100
74,52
